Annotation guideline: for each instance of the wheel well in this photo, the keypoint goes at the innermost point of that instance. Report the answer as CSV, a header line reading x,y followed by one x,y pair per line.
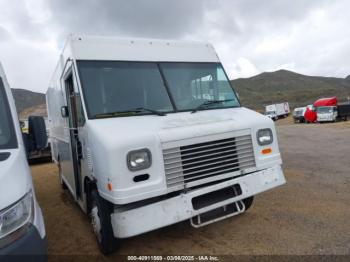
x,y
89,185
58,159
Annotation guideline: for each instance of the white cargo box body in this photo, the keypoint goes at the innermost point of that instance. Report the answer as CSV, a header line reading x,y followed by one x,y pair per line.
x,y
280,109
169,184
119,49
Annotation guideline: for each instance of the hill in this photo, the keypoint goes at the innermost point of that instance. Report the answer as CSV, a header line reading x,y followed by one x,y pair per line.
x,y
26,99
38,110
283,85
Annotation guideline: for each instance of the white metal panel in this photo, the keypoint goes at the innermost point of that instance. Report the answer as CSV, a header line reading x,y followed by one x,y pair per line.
x,y
119,49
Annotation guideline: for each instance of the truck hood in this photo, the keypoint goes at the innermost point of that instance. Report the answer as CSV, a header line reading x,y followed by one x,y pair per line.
x,y
176,126
15,179
110,140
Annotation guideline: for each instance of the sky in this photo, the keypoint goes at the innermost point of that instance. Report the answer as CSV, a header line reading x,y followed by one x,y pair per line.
x,y
250,36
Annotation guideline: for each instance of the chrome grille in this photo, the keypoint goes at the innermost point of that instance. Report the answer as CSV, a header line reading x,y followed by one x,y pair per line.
x,y
209,160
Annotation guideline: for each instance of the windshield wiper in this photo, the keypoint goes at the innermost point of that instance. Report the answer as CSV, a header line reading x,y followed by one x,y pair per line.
x,y
130,112
155,112
209,102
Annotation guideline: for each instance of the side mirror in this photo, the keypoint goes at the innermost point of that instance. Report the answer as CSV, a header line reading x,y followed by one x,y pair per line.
x,y
64,111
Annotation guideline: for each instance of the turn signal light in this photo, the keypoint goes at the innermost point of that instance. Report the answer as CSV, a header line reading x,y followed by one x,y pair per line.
x,y
109,186
266,151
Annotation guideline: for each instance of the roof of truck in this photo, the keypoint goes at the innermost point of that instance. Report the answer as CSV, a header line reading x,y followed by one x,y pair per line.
x,y
81,47
329,101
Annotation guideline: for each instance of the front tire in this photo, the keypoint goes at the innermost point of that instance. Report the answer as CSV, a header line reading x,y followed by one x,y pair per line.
x,y
248,202
101,223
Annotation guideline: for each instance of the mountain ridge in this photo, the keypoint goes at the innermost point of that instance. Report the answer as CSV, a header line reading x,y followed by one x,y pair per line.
x,y
25,99
283,85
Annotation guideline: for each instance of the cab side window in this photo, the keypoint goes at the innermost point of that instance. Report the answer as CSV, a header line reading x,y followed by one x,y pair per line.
x,y
79,104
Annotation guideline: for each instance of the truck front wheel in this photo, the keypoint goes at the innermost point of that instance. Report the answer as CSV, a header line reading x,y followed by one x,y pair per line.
x,y
101,223
248,202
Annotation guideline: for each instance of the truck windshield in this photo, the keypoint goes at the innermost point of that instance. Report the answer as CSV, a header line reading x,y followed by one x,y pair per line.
x,y
298,112
324,109
113,88
192,84
7,134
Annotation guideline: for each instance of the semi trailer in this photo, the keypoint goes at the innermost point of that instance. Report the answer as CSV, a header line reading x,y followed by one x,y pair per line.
x,y
147,133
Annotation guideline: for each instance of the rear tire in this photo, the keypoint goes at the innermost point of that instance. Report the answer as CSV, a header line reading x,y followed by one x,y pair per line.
x,y
248,202
101,223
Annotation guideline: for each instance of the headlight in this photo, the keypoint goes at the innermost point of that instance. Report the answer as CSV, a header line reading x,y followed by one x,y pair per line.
x,y
264,137
139,159
17,215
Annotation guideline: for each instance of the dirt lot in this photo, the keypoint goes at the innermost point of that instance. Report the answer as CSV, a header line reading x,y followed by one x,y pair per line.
x,y
309,215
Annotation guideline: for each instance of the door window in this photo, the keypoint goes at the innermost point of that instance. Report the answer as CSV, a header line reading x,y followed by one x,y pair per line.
x,y
7,132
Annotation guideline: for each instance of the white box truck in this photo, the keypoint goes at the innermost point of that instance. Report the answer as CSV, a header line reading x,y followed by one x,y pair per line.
x,y
148,133
276,111
22,231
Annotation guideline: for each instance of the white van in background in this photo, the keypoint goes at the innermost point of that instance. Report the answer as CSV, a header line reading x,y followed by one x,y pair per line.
x,y
148,133
298,114
22,229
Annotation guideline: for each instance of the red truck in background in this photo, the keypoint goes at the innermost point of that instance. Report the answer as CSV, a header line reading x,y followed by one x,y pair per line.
x,y
327,110
311,114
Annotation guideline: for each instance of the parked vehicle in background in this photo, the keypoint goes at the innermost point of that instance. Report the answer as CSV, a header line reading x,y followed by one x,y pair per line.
x,y
298,114
326,114
310,114
277,111
328,110
22,229
24,125
36,139
148,133
343,111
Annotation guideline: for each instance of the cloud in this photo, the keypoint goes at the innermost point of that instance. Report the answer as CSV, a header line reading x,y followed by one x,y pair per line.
x,y
251,36
156,18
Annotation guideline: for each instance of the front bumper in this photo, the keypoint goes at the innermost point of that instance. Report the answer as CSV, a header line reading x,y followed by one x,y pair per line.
x,y
298,118
325,119
29,245
146,218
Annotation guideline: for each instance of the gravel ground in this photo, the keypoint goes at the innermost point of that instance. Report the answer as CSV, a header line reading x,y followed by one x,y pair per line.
x,y
308,215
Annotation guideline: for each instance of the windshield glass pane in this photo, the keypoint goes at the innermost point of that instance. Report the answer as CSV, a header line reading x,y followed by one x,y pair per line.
x,y
7,134
111,87
324,109
192,84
